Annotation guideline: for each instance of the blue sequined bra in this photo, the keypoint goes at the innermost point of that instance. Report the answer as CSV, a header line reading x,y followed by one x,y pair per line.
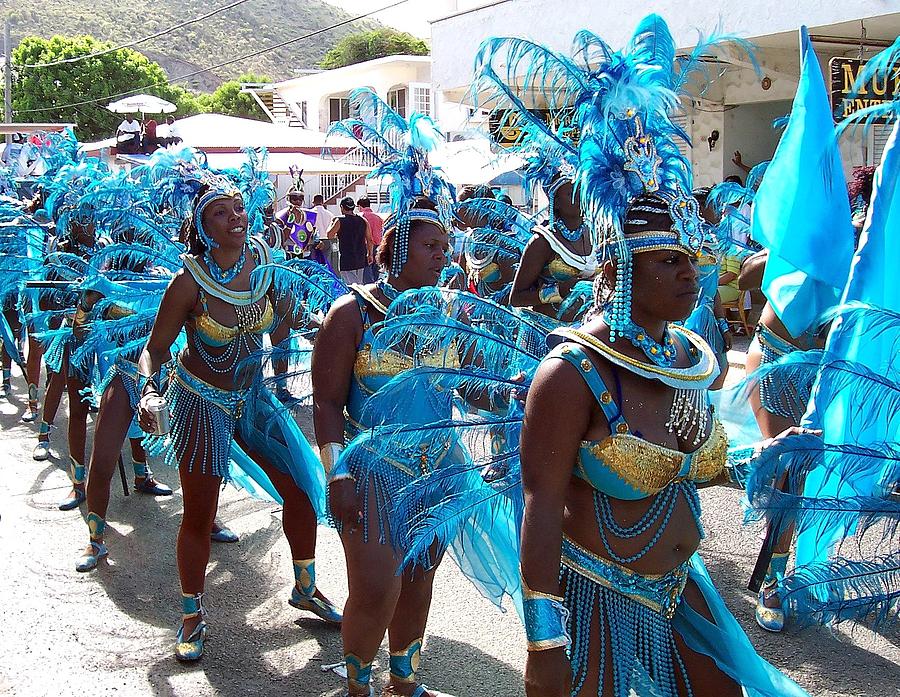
x,y
624,466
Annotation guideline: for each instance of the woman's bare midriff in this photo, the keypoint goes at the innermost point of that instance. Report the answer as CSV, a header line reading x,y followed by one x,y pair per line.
x,y
677,542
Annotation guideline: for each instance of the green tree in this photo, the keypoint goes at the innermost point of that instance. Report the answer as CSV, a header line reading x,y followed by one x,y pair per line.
x,y
229,100
47,94
368,45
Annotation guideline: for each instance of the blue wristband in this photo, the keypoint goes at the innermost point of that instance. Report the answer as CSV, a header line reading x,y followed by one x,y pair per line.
x,y
723,325
546,620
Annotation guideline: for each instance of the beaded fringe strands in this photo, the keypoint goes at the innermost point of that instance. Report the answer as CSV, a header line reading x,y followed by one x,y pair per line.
x,y
204,418
690,413
644,657
245,343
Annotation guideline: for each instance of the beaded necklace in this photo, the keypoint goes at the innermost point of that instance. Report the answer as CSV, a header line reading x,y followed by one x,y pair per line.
x,y
247,310
690,409
388,291
224,276
663,354
571,235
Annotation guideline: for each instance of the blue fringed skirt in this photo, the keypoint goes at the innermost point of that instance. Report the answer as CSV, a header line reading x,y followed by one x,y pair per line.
x,y
640,616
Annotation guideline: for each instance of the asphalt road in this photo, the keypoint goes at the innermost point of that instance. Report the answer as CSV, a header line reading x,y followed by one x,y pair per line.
x,y
111,632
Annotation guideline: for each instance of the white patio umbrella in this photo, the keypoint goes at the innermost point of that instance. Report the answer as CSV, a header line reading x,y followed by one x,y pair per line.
x,y
143,103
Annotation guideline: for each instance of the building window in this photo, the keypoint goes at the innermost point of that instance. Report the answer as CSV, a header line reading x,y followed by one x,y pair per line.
x,y
397,100
338,109
421,98
304,116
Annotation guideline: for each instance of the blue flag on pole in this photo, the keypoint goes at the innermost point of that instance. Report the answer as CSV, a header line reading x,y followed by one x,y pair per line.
x,y
801,212
866,341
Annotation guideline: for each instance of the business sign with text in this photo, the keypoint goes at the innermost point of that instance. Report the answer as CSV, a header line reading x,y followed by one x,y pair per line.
x,y
878,90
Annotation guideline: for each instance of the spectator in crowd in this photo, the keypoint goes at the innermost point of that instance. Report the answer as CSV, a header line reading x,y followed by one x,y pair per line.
x,y
168,132
355,245
128,135
729,290
151,141
376,227
323,216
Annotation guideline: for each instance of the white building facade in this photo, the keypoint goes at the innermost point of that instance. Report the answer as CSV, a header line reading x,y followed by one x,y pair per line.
x,y
319,98
737,110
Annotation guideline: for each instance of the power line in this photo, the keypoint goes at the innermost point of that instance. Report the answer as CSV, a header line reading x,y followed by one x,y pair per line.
x,y
245,56
76,59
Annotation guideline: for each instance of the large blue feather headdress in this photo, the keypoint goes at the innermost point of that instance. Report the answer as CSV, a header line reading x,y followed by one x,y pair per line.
x,y
400,150
607,117
67,200
257,188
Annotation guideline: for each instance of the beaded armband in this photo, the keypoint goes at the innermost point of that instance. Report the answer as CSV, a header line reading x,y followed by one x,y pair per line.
x,y
329,454
546,620
549,293
723,325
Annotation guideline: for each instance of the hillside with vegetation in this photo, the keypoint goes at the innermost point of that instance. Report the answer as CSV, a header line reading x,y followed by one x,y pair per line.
x,y
240,30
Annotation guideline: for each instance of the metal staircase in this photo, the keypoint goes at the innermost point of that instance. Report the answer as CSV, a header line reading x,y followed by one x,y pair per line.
x,y
278,110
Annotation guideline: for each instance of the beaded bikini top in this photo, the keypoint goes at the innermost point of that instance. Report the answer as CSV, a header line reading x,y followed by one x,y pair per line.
x,y
213,333
624,466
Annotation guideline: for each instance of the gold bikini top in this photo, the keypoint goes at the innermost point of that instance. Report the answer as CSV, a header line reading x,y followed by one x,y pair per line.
x,y
627,467
213,333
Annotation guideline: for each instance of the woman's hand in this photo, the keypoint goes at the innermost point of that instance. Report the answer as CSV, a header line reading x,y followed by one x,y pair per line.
x,y
727,339
146,419
548,674
344,504
787,433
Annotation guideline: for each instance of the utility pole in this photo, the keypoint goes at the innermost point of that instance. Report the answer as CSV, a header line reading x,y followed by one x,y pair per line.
x,y
7,74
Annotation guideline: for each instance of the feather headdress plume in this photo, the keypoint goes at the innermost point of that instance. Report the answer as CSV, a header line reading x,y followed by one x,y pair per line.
x,y
400,149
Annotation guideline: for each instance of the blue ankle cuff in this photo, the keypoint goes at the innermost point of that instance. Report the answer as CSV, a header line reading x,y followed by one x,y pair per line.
x,y
305,576
191,605
358,673
96,526
140,468
405,664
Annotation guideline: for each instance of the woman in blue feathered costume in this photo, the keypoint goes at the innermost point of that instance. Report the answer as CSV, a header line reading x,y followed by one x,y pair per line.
x,y
618,433
223,298
844,484
121,297
347,371
63,315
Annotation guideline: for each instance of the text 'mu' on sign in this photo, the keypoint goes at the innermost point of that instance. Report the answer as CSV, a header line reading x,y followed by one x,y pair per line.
x,y
844,73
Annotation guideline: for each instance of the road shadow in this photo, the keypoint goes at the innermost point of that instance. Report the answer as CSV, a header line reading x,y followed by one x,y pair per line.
x,y
815,649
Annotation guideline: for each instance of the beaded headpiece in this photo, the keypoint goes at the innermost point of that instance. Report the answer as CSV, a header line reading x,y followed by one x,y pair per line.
x,y
608,115
220,187
400,148
297,184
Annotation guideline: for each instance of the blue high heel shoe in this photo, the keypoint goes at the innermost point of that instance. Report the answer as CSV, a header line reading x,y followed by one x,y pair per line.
x,y
222,534
191,648
145,483
78,476
303,593
769,618
77,498
89,560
